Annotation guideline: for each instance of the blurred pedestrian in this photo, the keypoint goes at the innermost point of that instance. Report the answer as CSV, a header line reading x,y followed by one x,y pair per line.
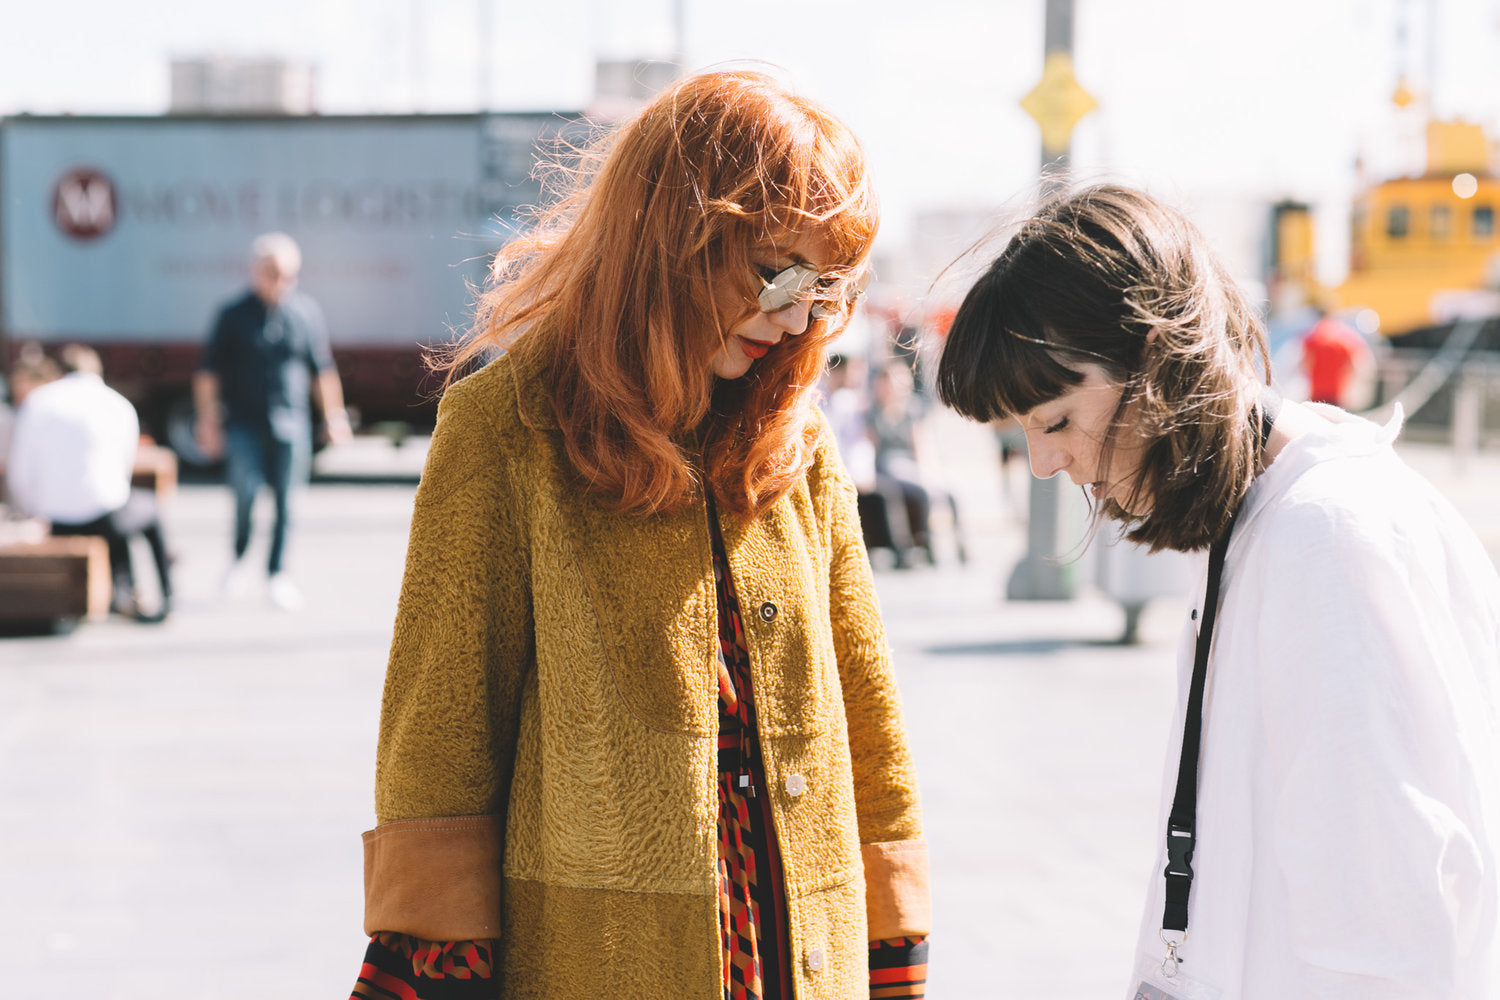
x,y
72,456
847,405
580,791
1335,808
267,354
1337,361
894,421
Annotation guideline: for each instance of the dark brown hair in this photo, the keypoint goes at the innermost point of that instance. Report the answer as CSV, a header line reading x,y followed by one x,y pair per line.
x,y
1109,276
620,291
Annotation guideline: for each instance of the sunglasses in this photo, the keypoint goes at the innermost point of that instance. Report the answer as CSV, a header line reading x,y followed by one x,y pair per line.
x,y
800,283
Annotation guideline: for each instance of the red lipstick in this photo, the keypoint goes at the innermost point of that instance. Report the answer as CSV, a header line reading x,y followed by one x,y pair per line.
x,y
755,349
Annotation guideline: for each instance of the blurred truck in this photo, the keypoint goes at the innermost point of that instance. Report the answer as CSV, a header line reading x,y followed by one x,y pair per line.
x,y
1424,249
128,233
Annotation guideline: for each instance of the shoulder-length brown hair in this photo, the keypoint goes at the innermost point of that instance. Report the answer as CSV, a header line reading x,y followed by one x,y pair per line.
x,y
1110,276
620,291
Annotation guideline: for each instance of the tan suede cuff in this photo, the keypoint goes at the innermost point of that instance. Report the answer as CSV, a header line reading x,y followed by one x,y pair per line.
x,y
437,879
897,897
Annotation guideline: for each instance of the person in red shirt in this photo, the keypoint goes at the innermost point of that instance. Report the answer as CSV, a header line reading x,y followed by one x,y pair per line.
x,y
1334,358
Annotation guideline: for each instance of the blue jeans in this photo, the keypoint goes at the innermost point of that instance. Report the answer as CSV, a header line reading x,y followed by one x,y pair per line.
x,y
255,457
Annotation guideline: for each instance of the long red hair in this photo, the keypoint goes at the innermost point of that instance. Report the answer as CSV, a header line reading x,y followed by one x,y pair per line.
x,y
619,291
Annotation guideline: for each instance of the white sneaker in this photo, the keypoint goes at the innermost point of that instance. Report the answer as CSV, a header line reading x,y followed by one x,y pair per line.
x,y
283,593
237,580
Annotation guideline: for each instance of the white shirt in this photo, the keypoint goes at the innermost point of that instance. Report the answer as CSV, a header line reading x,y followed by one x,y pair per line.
x,y
72,450
1349,784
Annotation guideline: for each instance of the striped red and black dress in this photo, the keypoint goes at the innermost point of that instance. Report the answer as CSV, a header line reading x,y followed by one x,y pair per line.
x,y
752,898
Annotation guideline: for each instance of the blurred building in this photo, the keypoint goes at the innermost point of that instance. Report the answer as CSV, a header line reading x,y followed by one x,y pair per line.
x,y
240,85
621,86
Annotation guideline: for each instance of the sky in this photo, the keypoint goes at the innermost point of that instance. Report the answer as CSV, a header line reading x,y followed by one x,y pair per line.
x,y
1221,107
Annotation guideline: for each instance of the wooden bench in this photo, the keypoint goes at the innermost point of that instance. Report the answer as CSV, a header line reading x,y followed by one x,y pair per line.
x,y
54,580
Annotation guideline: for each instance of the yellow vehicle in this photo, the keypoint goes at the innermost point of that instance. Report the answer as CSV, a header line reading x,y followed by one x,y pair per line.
x,y
1424,250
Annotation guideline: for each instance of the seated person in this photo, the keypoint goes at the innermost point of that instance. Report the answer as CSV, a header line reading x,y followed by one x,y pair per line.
x,y
893,427
72,453
882,508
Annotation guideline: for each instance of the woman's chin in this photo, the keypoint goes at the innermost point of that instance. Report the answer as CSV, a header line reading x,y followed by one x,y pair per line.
x,y
730,363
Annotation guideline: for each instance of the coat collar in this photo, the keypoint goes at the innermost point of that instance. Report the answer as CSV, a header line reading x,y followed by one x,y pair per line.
x,y
533,403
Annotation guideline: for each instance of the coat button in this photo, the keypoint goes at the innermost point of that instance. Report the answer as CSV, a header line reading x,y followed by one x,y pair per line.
x,y
815,960
795,785
768,612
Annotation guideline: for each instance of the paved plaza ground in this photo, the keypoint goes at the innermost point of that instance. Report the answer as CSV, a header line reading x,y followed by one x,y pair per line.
x,y
183,802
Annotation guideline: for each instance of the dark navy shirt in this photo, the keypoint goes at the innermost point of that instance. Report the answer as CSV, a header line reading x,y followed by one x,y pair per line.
x,y
265,359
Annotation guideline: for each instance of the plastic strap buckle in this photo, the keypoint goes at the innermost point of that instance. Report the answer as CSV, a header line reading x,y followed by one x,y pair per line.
x,y
1180,842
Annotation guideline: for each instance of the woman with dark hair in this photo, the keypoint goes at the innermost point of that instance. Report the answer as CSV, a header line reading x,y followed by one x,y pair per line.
x,y
641,735
1332,822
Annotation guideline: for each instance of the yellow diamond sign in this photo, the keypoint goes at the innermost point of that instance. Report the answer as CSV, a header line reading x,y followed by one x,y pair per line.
x,y
1057,103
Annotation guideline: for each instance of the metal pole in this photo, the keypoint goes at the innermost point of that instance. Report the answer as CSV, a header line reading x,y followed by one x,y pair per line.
x,y
1052,514
1057,36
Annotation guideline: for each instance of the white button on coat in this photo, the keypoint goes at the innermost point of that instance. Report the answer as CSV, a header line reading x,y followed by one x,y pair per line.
x,y
796,784
815,959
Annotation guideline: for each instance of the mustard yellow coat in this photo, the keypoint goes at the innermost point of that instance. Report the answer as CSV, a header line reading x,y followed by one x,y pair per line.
x,y
546,770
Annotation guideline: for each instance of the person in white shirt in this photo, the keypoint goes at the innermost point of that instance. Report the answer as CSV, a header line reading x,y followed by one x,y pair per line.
x,y
72,453
1331,822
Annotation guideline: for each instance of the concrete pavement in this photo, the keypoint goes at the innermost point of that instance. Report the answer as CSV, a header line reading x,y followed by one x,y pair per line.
x,y
184,801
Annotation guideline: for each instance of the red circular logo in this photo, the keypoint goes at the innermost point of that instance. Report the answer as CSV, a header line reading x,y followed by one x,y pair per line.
x,y
84,204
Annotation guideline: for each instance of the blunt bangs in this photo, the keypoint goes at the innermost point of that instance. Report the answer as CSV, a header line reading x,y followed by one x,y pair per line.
x,y
998,361
1109,276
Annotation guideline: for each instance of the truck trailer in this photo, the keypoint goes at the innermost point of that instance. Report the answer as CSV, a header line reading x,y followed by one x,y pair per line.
x,y
128,233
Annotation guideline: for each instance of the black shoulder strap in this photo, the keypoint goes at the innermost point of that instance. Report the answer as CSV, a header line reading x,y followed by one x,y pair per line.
x,y
1182,820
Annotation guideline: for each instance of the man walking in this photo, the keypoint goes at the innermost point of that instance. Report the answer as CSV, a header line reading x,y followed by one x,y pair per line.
x,y
267,354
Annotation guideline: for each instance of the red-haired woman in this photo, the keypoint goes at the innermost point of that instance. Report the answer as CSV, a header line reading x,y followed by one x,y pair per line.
x,y
641,735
